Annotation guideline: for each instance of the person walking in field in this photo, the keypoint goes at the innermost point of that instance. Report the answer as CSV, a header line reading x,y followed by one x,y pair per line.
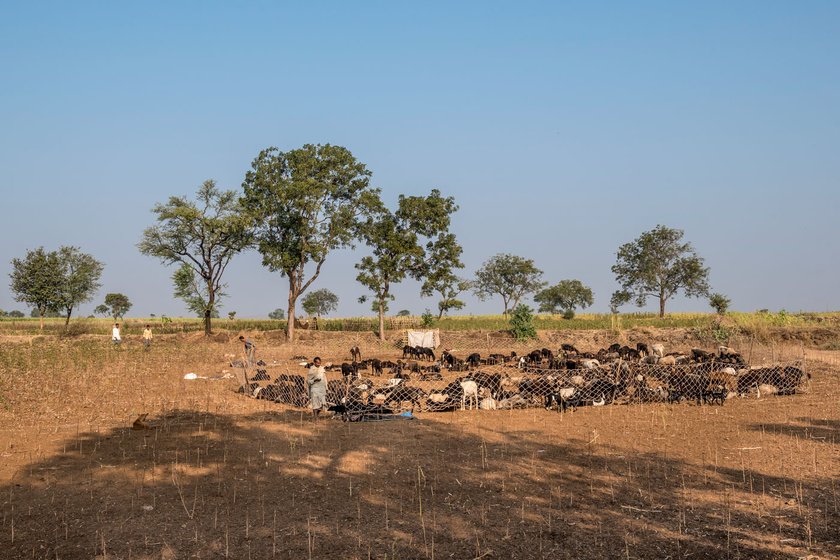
x,y
316,380
147,337
116,339
250,349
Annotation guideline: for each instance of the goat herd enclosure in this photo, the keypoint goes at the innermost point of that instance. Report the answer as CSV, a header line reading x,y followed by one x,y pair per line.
x,y
112,453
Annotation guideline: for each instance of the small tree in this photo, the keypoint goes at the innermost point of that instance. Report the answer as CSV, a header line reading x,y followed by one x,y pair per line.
x,y
202,236
658,264
720,303
16,314
278,314
403,313
37,280
231,315
522,323
565,296
320,302
509,276
116,305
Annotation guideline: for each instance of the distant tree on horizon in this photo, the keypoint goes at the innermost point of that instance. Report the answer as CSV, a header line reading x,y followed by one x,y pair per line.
x,y
509,276
320,302
720,303
116,305
657,264
278,314
565,296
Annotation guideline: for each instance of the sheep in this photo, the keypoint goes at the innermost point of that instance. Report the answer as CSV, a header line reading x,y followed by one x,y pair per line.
x,y
657,350
487,404
765,390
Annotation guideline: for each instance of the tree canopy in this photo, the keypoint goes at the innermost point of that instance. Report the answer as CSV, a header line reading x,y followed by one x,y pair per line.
x,y
202,236
319,302
405,243
278,314
658,264
306,203
566,296
509,276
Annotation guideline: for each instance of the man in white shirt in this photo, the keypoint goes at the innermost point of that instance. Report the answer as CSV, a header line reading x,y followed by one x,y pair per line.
x,y
115,335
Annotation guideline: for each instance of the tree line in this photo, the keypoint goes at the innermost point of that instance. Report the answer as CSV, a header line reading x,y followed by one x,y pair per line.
x,y
296,207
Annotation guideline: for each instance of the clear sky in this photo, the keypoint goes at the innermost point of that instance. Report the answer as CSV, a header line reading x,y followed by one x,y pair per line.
x,y
562,129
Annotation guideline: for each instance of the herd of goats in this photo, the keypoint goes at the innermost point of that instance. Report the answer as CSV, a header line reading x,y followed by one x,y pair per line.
x,y
562,379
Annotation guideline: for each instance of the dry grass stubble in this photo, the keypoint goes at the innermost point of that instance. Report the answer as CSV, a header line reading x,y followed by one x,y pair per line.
x,y
222,475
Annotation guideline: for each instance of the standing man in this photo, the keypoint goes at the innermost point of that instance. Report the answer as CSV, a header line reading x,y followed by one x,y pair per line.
x,y
147,337
316,380
250,349
115,335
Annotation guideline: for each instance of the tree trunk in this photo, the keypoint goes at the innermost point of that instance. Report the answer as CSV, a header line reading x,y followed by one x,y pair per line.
x,y
381,321
67,319
661,307
290,328
41,317
211,299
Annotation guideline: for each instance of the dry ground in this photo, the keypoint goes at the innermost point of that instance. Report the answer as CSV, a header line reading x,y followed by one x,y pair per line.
x,y
222,475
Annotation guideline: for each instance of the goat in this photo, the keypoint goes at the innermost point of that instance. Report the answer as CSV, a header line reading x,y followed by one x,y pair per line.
x,y
562,398
355,354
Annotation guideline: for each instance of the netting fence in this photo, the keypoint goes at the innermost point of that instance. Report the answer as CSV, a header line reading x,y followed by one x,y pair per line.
x,y
496,373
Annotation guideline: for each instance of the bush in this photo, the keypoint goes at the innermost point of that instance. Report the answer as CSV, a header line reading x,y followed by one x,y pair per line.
x,y
569,314
428,319
522,323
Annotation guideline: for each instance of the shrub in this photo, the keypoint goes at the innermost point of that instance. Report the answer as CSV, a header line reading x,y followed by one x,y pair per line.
x,y
522,323
569,314
427,318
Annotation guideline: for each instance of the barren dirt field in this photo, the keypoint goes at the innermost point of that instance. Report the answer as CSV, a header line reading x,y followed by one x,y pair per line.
x,y
221,475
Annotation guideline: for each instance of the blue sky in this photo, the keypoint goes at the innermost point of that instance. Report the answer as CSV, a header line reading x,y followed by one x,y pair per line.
x,y
562,129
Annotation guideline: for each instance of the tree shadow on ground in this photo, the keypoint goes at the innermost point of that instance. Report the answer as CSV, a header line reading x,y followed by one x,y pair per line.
x,y
275,485
805,428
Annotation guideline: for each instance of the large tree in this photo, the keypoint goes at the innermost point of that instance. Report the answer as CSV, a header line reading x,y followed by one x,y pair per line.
x,y
658,264
509,276
405,243
306,203
37,280
203,236
319,302
566,296
81,273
